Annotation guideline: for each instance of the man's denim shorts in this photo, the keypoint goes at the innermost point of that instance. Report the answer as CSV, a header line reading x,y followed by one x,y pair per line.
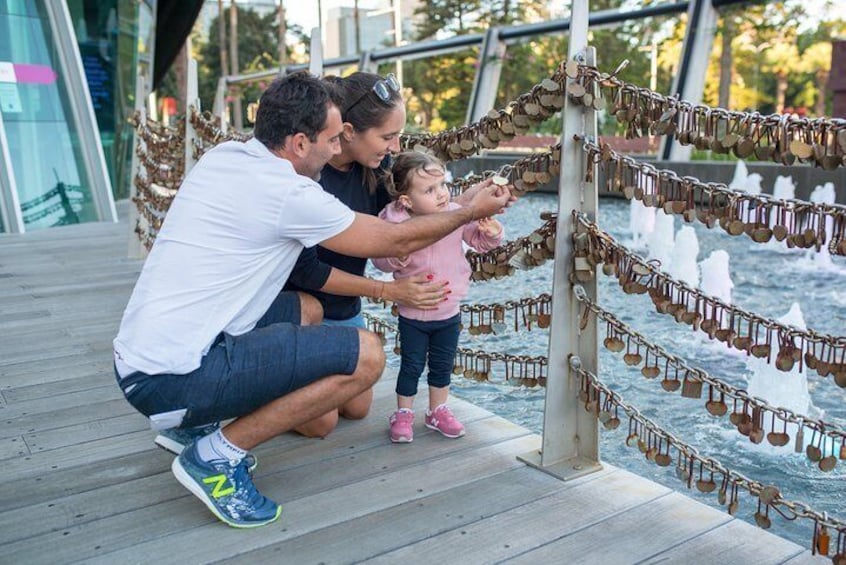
x,y
242,373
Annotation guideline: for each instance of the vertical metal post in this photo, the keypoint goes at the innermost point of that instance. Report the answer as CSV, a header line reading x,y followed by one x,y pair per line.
x,y
10,206
483,96
366,64
192,98
689,81
135,249
315,63
570,435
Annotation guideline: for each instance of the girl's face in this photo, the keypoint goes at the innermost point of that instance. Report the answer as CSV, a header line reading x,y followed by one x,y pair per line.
x,y
371,146
427,192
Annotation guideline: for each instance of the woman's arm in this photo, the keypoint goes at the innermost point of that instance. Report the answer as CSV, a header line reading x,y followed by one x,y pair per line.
x,y
418,291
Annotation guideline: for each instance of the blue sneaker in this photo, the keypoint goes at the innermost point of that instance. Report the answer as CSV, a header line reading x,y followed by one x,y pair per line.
x,y
175,440
226,489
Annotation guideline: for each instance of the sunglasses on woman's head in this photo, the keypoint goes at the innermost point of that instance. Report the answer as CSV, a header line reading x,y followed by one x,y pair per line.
x,y
382,89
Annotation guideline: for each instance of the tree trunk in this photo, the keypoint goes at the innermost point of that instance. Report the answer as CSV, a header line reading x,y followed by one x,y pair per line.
x,y
357,28
180,68
237,117
283,30
726,64
221,39
781,92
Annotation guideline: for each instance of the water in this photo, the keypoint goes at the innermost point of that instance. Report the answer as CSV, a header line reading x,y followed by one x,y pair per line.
x,y
766,282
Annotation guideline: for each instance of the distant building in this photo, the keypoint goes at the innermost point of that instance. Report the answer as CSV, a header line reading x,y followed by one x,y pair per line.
x,y
376,28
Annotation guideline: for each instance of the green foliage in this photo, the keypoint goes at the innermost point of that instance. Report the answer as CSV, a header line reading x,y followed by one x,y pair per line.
x,y
257,48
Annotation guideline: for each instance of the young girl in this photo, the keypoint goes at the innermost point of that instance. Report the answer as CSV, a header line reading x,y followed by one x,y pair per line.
x,y
418,187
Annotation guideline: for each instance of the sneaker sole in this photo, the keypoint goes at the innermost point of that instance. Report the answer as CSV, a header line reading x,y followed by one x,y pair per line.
x,y
443,433
169,445
188,482
402,439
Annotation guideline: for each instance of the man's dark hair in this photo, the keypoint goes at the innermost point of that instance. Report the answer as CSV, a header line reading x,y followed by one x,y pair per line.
x,y
297,103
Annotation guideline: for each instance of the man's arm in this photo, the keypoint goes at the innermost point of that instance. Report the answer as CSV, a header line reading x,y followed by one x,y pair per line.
x,y
369,236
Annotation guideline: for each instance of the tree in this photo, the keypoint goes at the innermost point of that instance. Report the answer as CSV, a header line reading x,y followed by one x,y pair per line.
x,y
258,50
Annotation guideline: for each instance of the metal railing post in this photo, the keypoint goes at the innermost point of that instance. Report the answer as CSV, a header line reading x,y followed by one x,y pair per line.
x,y
315,63
570,434
689,81
483,96
192,98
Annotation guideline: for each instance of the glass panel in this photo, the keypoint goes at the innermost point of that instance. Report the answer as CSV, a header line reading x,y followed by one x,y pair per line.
x,y
19,7
44,145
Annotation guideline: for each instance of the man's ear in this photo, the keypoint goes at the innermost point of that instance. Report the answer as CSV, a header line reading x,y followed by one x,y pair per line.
x,y
299,144
348,132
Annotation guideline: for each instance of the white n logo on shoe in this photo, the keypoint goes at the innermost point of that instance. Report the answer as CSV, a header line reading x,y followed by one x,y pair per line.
x,y
219,482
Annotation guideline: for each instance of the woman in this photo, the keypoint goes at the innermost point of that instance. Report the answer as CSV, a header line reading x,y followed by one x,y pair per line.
x,y
374,116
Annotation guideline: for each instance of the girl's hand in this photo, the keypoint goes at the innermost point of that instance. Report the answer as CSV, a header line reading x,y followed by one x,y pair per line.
x,y
418,292
490,227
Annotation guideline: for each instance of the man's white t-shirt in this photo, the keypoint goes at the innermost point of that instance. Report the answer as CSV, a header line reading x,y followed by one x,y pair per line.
x,y
229,242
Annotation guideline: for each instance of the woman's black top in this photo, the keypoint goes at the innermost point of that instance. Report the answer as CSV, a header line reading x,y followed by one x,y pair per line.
x,y
314,264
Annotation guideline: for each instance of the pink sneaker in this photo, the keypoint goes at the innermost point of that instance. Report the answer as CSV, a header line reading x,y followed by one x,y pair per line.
x,y
402,426
442,420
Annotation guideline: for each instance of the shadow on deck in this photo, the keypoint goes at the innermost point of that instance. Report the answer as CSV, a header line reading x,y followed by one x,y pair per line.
x,y
83,481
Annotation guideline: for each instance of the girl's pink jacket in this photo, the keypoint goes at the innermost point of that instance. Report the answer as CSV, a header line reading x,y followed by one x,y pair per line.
x,y
444,259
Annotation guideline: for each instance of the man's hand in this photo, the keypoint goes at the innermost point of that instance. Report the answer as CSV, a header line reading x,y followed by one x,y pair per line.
x,y
465,197
488,199
418,291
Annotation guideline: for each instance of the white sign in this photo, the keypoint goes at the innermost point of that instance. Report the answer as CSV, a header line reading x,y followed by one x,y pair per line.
x,y
7,72
10,99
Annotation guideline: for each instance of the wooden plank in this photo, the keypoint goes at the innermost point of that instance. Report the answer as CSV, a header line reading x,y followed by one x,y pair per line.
x,y
410,522
285,452
41,488
509,534
736,541
32,423
66,458
806,558
632,535
46,390
52,352
28,408
55,370
24,523
100,428
324,508
13,447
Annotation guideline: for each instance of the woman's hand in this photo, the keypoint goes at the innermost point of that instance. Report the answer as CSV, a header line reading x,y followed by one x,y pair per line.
x,y
418,292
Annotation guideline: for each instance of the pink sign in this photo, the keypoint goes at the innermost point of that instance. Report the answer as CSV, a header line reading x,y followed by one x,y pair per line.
x,y
38,74
25,73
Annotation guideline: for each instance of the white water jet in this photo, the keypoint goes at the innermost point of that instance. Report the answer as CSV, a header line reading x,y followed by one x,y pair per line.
x,y
716,279
660,242
782,389
738,182
784,188
683,265
641,222
823,195
753,183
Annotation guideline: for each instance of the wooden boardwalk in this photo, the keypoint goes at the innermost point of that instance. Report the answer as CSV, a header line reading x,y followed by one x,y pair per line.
x,y
82,481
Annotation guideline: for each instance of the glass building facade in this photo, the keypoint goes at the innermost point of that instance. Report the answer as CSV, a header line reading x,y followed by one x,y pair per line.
x,y
67,87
